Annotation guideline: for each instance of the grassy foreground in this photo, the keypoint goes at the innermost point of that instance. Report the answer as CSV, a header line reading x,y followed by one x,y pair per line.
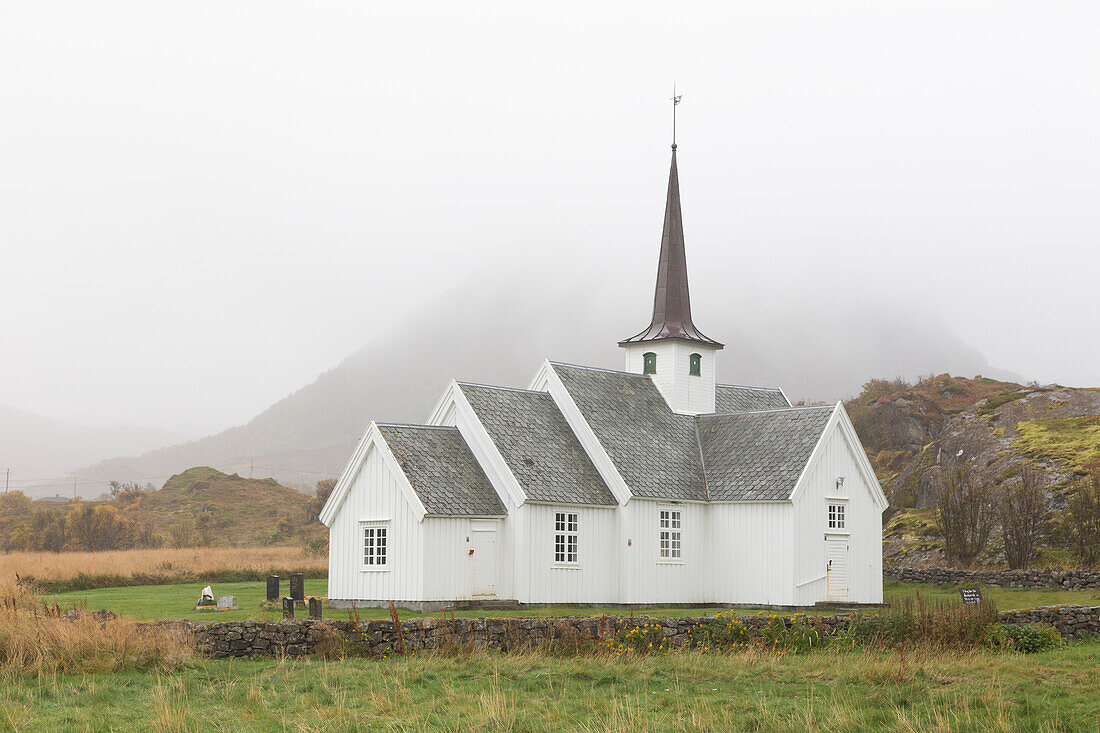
x,y
826,691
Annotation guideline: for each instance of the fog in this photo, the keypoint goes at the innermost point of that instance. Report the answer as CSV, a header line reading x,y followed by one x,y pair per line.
x,y
205,205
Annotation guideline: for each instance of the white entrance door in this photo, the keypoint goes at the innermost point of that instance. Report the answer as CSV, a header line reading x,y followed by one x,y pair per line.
x,y
483,541
836,568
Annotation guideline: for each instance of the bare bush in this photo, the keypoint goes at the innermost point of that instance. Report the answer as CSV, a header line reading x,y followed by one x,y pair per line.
x,y
966,513
1084,519
1023,513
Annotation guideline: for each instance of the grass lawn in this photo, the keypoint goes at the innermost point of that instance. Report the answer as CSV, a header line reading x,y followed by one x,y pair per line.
x,y
686,691
155,602
1005,599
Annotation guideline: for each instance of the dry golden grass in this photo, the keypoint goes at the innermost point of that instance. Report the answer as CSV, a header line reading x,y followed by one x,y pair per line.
x,y
53,568
37,639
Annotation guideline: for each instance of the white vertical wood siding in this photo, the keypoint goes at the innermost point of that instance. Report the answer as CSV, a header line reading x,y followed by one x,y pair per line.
x,y
864,523
374,494
648,578
752,547
683,392
594,579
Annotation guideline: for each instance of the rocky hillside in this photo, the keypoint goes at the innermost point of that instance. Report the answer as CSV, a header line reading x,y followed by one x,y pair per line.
x,y
914,432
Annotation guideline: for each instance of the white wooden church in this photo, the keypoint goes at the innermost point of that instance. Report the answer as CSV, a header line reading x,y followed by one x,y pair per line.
x,y
651,485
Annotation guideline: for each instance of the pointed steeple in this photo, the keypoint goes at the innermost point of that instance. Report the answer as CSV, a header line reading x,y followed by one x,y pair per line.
x,y
671,303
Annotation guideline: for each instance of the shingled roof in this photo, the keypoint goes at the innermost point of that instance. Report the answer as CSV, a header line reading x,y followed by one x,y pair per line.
x,y
538,445
442,470
653,448
735,398
759,456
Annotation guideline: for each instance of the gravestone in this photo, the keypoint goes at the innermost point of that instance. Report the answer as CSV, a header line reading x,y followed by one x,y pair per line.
x,y
226,602
298,587
273,588
288,607
314,607
971,595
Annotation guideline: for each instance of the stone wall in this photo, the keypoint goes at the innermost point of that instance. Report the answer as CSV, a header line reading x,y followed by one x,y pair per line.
x,y
1032,578
380,637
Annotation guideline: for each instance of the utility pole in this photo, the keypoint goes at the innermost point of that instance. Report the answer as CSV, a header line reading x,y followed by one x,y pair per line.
x,y
74,488
251,467
7,475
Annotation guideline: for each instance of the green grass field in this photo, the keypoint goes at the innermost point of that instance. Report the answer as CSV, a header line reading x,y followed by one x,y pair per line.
x,y
155,602
688,691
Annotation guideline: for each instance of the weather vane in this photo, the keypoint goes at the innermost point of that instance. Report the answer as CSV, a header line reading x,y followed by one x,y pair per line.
x,y
675,101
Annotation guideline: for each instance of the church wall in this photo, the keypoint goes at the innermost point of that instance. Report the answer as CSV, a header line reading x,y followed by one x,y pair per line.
x,y
751,553
864,523
648,578
374,494
594,579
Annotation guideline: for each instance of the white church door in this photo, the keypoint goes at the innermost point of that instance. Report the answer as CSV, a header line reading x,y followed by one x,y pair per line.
x,y
836,567
483,542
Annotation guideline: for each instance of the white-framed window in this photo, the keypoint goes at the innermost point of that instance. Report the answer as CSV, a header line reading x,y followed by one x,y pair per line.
x,y
376,545
837,515
566,538
669,537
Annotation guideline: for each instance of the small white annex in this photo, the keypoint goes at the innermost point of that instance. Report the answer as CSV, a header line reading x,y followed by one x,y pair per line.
x,y
651,485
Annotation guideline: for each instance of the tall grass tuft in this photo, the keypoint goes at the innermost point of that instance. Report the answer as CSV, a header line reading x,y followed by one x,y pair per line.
x,y
917,622
37,639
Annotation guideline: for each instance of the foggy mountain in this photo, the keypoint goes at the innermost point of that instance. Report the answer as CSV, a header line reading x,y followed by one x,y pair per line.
x,y
491,332
40,449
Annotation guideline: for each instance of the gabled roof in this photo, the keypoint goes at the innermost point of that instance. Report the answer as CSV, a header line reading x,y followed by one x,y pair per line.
x,y
653,449
759,456
538,445
442,471
736,398
671,302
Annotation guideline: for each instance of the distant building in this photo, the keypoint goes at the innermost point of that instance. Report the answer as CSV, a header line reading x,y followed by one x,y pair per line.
x,y
55,499
650,485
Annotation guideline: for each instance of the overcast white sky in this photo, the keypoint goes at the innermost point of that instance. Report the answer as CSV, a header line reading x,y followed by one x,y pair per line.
x,y
203,205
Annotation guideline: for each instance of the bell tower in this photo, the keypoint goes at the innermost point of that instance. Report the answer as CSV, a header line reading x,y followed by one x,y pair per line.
x,y
679,358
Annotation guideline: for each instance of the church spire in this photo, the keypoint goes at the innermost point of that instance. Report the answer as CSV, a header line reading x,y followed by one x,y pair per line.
x,y
671,303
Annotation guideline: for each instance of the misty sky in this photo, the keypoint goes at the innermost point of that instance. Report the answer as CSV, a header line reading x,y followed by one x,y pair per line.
x,y
203,205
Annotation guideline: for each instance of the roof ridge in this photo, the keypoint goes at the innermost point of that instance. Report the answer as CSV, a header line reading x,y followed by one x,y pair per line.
x,y
497,386
596,369
775,409
414,425
749,386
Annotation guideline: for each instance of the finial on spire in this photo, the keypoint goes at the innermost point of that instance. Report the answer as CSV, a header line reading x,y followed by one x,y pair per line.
x,y
675,101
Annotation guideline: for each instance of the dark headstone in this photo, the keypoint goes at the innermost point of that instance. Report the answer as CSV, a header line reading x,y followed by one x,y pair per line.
x,y
298,587
273,588
314,607
971,595
288,607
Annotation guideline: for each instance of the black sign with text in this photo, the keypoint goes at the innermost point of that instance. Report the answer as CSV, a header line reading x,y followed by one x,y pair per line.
x,y
971,595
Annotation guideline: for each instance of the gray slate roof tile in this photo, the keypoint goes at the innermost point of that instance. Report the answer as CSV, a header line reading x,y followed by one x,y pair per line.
x,y
538,445
653,448
758,456
442,470
735,398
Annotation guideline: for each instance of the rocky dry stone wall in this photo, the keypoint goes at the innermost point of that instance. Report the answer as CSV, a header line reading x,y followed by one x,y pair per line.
x,y
380,637
1033,578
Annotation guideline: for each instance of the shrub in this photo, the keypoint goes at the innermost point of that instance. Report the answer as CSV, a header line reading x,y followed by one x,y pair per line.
x,y
955,626
640,639
724,632
1025,638
797,634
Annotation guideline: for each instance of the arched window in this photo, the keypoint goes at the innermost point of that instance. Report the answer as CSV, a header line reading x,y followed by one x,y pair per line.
x,y
694,364
649,363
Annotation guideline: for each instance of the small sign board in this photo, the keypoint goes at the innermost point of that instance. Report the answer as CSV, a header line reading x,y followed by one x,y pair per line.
x,y
226,602
971,595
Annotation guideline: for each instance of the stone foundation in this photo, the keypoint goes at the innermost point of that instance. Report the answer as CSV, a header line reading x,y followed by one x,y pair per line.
x,y
1031,578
